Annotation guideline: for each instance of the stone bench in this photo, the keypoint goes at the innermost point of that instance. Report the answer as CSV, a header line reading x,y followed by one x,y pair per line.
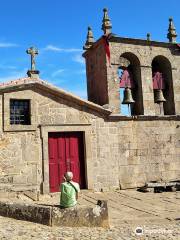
x,y
96,216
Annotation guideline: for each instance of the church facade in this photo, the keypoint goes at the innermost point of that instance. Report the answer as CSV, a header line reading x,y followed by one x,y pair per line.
x,y
45,131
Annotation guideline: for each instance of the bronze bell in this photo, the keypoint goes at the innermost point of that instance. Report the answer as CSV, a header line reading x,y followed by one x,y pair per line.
x,y
158,96
127,96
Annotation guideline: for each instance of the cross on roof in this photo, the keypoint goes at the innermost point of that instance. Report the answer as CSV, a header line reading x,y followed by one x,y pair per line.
x,y
33,52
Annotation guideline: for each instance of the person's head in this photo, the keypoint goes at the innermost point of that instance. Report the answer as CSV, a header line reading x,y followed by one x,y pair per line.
x,y
68,176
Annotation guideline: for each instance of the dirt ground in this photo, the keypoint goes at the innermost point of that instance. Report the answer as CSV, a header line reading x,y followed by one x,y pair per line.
x,y
132,215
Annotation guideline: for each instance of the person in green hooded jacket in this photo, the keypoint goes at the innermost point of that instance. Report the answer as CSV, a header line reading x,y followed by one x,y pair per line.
x,y
69,191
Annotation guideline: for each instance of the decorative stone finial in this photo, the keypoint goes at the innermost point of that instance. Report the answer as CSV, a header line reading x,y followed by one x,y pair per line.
x,y
171,31
89,40
33,73
106,23
148,37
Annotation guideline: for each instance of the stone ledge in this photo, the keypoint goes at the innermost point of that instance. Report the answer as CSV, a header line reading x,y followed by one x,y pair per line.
x,y
117,117
54,216
27,212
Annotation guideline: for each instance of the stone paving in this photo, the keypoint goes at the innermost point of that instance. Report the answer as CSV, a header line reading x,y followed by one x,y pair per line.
x,y
158,216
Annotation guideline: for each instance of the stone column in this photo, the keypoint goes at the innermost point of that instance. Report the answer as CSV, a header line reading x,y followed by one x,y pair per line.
x,y
147,90
176,89
113,89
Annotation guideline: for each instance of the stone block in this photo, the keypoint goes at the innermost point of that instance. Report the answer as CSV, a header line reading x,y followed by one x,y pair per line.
x,y
177,143
142,152
173,166
133,160
154,176
168,150
133,152
27,212
32,176
113,130
126,174
96,216
124,185
6,179
167,166
20,179
156,159
123,159
169,175
156,151
102,179
4,194
34,195
84,216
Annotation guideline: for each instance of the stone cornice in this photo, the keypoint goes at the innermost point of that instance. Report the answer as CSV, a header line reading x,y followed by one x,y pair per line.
x,y
118,117
116,39
143,42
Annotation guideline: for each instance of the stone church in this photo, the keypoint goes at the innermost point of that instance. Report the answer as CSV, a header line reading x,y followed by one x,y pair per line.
x,y
45,131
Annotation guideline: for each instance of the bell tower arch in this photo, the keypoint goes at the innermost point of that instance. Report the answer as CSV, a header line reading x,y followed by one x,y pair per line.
x,y
132,82
163,85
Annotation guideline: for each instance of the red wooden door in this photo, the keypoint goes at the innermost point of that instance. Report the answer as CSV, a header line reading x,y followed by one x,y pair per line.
x,y
66,153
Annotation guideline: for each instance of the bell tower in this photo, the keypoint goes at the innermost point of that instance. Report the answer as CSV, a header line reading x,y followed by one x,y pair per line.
x,y
99,72
140,73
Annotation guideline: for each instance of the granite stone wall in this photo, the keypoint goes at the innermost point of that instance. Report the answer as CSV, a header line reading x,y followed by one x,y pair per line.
x,y
120,152
149,151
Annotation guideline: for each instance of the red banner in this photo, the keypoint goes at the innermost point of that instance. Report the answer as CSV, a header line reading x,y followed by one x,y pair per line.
x,y
106,46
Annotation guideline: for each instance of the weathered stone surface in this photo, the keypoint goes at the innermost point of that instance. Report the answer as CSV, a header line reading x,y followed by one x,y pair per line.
x,y
81,216
156,213
27,212
34,195
139,144
96,216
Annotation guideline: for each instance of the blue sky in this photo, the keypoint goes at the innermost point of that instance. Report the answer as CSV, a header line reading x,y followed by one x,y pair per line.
x,y
58,29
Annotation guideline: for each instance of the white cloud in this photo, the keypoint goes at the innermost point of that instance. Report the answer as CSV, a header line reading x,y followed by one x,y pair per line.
x,y
79,59
82,71
58,72
4,66
80,93
57,49
57,82
7,45
13,75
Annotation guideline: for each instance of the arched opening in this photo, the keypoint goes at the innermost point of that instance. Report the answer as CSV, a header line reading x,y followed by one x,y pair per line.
x,y
163,86
130,85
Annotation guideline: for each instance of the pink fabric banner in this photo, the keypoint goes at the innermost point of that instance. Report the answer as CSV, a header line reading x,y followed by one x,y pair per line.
x,y
106,46
158,81
126,79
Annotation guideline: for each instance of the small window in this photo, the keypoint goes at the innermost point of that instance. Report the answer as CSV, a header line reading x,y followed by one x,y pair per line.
x,y
20,112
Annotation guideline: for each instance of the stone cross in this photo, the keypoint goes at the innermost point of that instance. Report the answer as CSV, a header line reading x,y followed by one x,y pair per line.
x,y
33,52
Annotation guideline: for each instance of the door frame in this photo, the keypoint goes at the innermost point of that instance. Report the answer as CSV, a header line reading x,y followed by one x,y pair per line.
x,y
86,129
68,139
